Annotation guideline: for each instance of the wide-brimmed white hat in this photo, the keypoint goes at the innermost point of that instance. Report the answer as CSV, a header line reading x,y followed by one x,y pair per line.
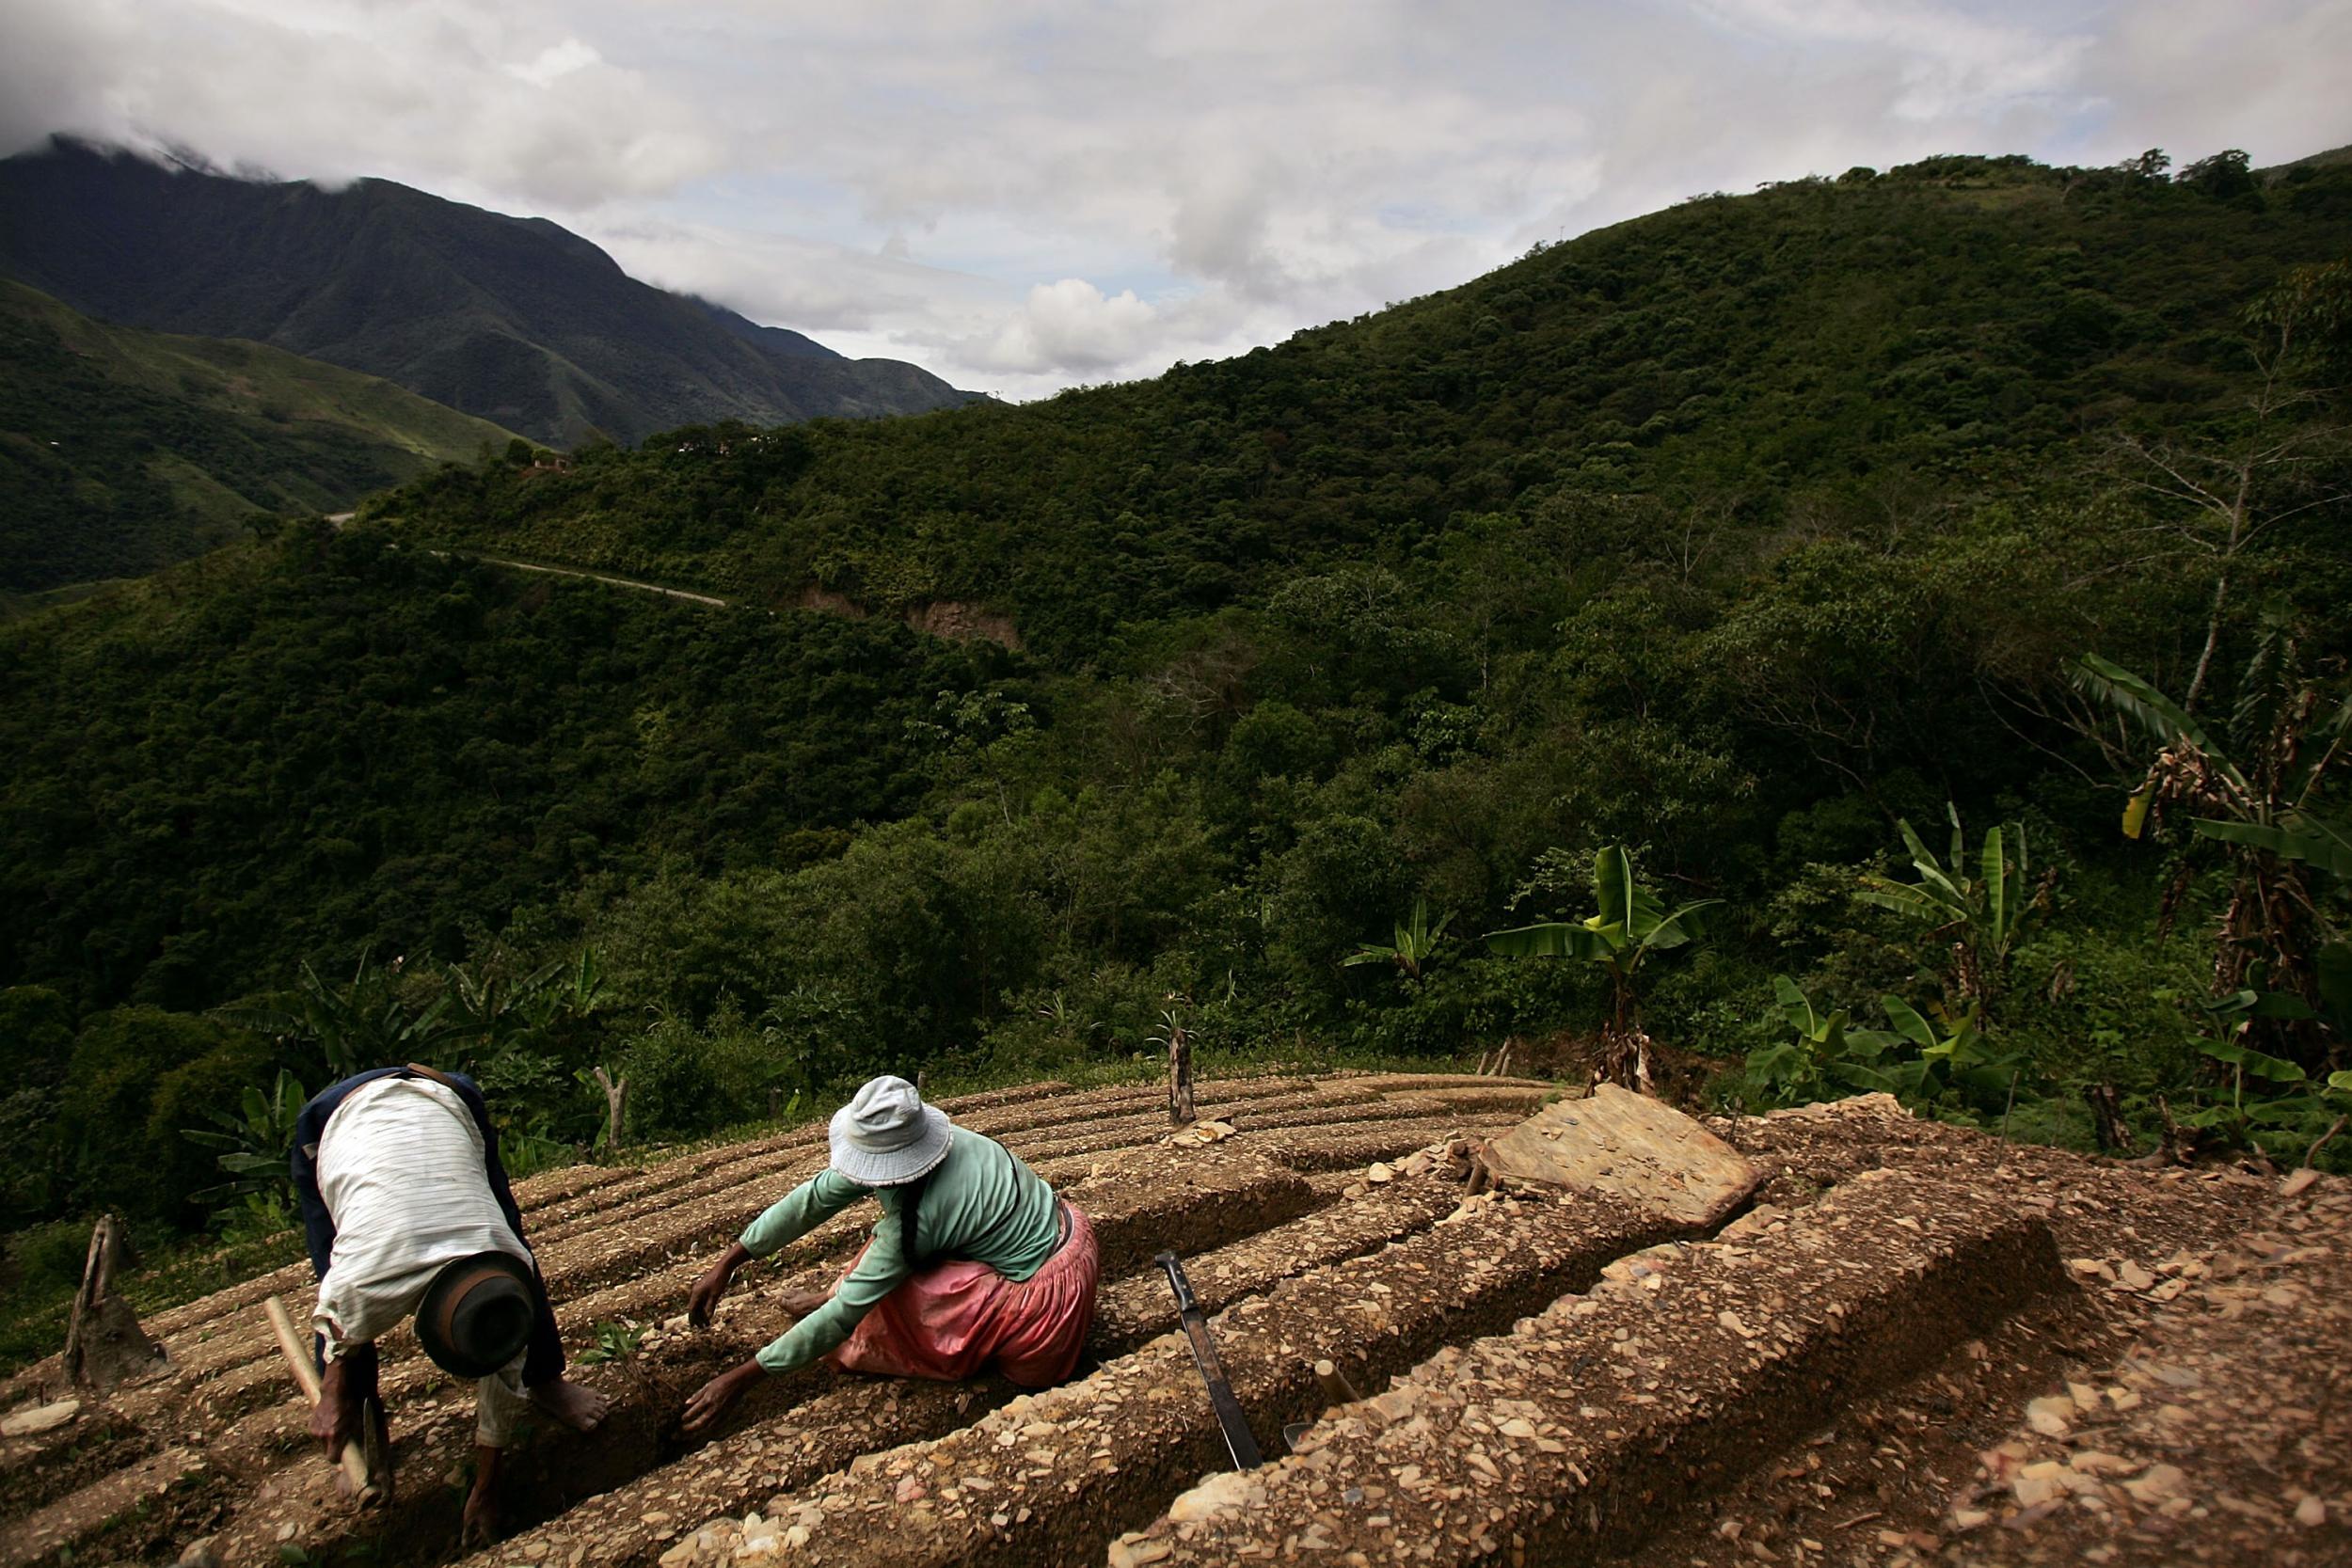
x,y
885,1137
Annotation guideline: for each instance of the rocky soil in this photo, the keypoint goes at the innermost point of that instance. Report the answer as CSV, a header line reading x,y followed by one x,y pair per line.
x,y
1917,1345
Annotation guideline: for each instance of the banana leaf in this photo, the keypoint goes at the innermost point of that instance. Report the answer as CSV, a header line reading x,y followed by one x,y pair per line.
x,y
2306,839
1558,939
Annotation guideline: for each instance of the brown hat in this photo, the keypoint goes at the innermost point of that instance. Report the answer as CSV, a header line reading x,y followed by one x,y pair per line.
x,y
477,1314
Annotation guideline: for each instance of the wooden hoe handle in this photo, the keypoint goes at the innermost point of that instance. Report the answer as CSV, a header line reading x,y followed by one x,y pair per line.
x,y
354,1461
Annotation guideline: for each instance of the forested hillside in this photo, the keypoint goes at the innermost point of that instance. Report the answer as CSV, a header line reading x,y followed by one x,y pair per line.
x,y
1734,537
121,450
515,320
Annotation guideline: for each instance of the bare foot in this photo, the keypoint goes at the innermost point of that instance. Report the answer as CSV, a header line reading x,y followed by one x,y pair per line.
x,y
574,1404
800,1304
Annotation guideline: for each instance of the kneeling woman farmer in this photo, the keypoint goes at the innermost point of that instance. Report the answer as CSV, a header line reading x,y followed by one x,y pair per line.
x,y
973,1265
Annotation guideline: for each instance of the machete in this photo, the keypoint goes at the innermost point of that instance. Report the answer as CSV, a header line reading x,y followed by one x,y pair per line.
x,y
1235,1426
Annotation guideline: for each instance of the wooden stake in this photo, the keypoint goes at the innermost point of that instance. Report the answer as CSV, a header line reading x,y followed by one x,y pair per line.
x,y
354,1462
1335,1385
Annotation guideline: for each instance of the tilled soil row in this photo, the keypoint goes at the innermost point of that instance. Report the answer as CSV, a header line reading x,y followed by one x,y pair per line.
x,y
539,1196
800,1152
630,1526
1052,1477
1190,1199
1573,1437
115,1504
2139,1427
1313,1150
2104,1208
1028,1129
644,1258
235,1413
1299,1111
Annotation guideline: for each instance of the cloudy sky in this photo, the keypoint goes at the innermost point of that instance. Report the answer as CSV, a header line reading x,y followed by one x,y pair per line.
x,y
1024,195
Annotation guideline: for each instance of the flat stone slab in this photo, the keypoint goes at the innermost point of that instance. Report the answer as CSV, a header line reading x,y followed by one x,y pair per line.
x,y
1630,1146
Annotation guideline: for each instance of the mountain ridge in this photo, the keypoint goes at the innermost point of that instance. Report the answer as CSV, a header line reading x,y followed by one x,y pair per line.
x,y
123,450
511,319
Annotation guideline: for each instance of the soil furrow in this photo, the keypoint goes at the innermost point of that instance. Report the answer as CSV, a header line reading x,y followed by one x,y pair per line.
x,y
1197,1199
1575,1436
847,1418
1051,1478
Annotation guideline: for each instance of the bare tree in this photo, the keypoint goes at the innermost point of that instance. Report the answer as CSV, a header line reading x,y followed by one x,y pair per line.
x,y
2221,501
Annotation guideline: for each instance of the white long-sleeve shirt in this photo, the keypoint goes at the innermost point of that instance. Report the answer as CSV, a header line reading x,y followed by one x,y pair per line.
x,y
402,1172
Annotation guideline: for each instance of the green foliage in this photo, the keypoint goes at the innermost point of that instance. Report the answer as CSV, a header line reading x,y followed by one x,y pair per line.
x,y
1632,923
614,1341
138,1076
1738,533
1816,1063
1979,915
1928,1065
340,744
256,1147
123,450
2267,1102
364,1022
1416,941
2268,810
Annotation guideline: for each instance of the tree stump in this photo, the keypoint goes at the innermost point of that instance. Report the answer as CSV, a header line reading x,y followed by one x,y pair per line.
x,y
616,1103
104,1345
2106,1118
1181,1112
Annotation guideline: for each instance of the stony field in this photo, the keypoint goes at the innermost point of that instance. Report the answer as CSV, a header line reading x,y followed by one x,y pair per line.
x,y
1918,1344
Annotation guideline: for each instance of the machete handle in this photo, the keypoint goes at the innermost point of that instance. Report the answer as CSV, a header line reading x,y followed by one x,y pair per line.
x,y
1186,1300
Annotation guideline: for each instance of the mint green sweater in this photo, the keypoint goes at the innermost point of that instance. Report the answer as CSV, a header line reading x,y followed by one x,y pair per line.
x,y
982,1204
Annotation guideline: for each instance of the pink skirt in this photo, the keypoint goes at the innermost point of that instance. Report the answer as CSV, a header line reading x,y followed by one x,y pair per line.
x,y
957,1319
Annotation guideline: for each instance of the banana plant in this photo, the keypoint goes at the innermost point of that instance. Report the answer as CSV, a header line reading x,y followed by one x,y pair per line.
x,y
1632,924
2272,815
2268,1101
1416,939
1798,1069
1983,912
253,1148
354,1026
2264,806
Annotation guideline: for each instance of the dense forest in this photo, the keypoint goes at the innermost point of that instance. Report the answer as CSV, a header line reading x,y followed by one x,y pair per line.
x,y
122,450
1883,631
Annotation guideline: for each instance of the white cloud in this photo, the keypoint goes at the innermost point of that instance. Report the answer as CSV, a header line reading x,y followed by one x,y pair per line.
x,y
1068,325
1022,193
556,60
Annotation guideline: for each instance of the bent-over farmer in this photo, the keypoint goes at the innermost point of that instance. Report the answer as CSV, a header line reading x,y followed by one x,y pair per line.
x,y
407,1210
974,1262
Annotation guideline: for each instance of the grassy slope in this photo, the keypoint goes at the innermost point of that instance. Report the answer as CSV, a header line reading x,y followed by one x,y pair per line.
x,y
128,448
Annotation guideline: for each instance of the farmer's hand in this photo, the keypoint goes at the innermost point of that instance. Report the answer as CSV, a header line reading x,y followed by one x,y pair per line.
x,y
703,1299
717,1396
481,1526
335,1419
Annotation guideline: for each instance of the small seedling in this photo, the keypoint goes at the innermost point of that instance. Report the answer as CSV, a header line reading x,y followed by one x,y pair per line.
x,y
615,1341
